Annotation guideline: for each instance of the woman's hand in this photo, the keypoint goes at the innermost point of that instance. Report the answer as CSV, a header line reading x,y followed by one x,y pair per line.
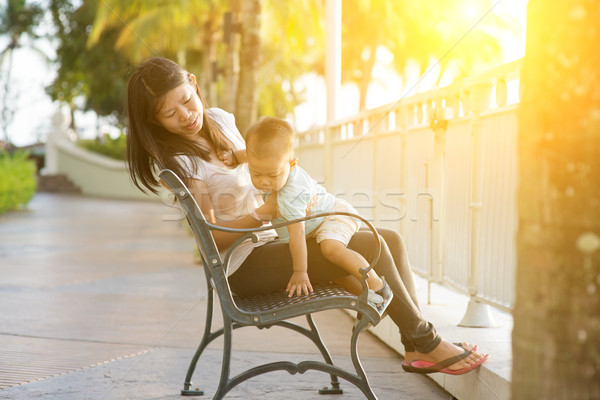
x,y
299,283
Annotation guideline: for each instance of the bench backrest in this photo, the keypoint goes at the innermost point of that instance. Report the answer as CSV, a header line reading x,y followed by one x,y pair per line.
x,y
214,267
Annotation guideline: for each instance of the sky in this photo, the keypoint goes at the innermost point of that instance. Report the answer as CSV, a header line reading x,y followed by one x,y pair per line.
x,y
34,110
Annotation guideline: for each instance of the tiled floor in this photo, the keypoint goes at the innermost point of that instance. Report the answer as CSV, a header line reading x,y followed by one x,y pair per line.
x,y
100,299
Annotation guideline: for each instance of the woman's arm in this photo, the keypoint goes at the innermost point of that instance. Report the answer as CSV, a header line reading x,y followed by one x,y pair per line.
x,y
299,282
222,239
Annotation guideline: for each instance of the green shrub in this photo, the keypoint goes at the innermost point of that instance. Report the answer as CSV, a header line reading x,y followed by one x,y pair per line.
x,y
113,148
17,180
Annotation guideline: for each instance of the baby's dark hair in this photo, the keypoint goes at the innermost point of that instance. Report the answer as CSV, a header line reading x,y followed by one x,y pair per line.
x,y
270,136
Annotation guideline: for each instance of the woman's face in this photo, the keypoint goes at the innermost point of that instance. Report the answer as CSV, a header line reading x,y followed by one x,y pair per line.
x,y
181,111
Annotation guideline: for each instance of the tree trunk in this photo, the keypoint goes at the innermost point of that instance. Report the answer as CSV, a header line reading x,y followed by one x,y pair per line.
x,y
206,82
6,111
247,93
365,79
556,335
231,63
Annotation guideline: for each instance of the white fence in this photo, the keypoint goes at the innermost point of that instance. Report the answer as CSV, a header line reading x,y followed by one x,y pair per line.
x,y
440,168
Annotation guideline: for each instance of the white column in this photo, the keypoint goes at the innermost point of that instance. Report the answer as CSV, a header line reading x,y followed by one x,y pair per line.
x,y
333,55
60,125
477,314
333,64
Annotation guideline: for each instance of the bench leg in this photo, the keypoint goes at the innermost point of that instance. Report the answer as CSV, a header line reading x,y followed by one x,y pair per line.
x,y
224,382
363,383
207,337
335,384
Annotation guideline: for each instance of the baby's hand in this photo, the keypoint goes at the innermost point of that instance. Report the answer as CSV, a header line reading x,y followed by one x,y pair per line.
x,y
311,204
228,157
299,283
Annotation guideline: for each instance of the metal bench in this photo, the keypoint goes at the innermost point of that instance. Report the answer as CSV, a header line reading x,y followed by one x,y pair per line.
x,y
273,309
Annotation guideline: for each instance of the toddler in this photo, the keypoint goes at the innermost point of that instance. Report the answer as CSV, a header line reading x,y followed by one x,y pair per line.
x,y
273,169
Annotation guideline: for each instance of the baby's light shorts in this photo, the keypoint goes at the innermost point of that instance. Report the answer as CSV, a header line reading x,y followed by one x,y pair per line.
x,y
338,227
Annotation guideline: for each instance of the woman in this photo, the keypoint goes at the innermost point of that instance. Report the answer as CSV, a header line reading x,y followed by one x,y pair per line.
x,y
170,124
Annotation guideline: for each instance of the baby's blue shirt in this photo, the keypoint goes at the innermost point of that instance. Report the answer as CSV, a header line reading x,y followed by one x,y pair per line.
x,y
293,198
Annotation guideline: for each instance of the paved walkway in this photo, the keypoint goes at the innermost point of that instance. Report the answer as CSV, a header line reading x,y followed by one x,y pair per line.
x,y
101,299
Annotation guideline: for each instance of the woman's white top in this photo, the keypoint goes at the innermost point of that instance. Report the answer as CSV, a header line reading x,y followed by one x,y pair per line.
x,y
230,189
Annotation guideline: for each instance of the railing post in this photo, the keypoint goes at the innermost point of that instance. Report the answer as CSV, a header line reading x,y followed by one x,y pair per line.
x,y
439,124
333,57
374,195
328,164
402,123
477,314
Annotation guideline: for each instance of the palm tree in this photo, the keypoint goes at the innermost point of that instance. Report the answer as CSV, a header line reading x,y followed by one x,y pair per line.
x,y
231,62
556,335
246,105
185,30
16,20
418,31
95,72
148,29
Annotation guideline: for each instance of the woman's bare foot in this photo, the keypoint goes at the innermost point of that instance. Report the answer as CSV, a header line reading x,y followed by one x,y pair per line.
x,y
445,350
414,355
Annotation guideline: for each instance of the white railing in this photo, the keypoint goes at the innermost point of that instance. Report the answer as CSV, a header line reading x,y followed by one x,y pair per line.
x,y
440,168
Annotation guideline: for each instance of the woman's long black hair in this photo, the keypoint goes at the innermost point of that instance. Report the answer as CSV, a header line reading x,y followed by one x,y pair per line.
x,y
148,143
